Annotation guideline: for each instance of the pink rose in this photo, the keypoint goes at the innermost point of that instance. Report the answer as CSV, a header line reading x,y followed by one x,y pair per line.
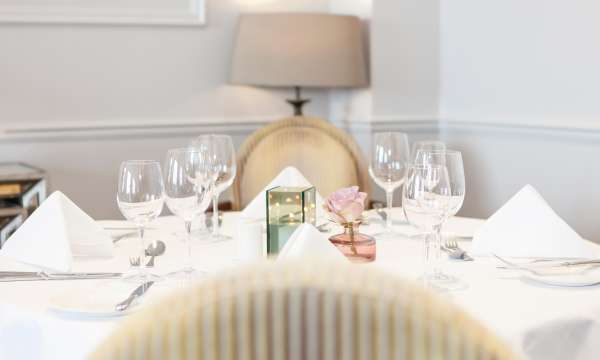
x,y
346,205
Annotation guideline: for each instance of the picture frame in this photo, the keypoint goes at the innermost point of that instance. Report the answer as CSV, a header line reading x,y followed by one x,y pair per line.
x,y
133,12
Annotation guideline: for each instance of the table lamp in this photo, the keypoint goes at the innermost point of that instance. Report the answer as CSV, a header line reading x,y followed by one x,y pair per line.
x,y
299,50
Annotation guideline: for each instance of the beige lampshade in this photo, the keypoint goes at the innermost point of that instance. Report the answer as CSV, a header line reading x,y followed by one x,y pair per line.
x,y
299,49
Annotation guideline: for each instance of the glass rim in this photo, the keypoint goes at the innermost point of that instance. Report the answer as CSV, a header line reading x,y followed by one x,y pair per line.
x,y
421,166
390,133
447,151
429,142
212,135
140,162
183,149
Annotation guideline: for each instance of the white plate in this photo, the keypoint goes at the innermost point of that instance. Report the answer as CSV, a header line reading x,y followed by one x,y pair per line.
x,y
589,277
95,302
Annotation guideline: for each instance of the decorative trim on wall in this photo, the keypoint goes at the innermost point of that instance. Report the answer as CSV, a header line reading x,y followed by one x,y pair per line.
x,y
568,131
190,13
131,128
242,125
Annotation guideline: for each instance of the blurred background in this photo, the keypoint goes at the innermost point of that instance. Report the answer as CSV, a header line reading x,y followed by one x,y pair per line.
x,y
80,94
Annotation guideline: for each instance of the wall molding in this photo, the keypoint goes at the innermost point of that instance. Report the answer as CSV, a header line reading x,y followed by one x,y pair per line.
x,y
569,132
193,13
130,128
137,128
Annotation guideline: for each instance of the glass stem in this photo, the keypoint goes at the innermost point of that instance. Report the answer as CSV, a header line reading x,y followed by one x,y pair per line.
x,y
215,219
389,195
429,266
142,267
437,249
188,234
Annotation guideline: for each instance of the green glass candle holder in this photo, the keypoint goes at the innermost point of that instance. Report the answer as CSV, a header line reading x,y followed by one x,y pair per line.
x,y
287,208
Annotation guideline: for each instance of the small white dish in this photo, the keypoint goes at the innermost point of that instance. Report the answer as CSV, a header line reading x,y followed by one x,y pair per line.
x,y
90,302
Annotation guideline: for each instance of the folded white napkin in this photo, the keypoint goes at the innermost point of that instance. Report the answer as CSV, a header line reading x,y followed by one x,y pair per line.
x,y
307,242
526,226
290,176
54,233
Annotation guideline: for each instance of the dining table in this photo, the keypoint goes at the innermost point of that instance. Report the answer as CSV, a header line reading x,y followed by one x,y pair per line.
x,y
539,321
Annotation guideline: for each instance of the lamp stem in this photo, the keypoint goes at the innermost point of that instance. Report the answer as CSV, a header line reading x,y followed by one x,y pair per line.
x,y
298,102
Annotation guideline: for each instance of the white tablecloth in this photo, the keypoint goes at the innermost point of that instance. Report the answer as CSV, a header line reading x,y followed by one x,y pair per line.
x,y
540,321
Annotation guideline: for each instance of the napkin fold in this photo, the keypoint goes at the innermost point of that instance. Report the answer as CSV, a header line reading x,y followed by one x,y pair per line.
x,y
526,226
307,242
290,176
54,233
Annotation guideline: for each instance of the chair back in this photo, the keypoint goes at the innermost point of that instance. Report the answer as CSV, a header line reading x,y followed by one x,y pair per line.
x,y
303,311
326,155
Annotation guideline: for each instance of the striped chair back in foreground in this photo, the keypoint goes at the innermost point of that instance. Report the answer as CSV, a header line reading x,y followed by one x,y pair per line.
x,y
303,311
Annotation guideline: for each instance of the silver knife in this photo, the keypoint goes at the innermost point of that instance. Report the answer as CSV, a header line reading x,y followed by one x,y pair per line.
x,y
41,275
137,293
577,263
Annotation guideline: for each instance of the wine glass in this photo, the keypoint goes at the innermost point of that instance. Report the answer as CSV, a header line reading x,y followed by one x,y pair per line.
x,y
140,197
223,155
453,162
425,201
426,145
188,189
389,157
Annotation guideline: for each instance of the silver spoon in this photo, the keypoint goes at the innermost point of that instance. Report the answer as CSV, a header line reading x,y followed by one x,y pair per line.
x,y
156,248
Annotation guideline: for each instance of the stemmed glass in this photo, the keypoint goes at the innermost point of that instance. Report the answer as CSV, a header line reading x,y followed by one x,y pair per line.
x,y
389,157
426,145
188,188
223,156
425,201
453,162
140,197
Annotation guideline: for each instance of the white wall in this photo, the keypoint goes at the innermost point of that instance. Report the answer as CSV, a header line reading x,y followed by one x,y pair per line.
x,y
70,74
519,96
76,100
513,83
521,62
405,59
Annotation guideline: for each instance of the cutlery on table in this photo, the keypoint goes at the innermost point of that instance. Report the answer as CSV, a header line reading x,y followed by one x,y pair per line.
x,y
455,252
136,294
134,261
132,228
380,211
133,231
6,276
549,263
323,227
577,262
208,221
123,236
514,266
156,248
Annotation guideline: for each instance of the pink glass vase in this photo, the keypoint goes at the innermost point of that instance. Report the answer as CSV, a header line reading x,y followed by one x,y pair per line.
x,y
357,247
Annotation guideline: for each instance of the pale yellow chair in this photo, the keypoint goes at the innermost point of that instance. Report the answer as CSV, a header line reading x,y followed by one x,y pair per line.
x,y
303,311
326,155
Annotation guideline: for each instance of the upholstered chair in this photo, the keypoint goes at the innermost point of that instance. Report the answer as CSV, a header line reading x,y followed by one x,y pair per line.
x,y
303,311
326,155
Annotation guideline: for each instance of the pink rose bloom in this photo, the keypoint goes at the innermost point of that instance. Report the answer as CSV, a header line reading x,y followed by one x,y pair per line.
x,y
346,205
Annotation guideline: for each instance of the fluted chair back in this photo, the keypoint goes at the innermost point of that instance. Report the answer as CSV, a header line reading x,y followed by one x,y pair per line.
x,y
303,311
326,155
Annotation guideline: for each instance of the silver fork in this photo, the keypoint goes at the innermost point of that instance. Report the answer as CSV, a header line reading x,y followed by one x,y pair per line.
x,y
455,252
123,236
134,261
150,262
